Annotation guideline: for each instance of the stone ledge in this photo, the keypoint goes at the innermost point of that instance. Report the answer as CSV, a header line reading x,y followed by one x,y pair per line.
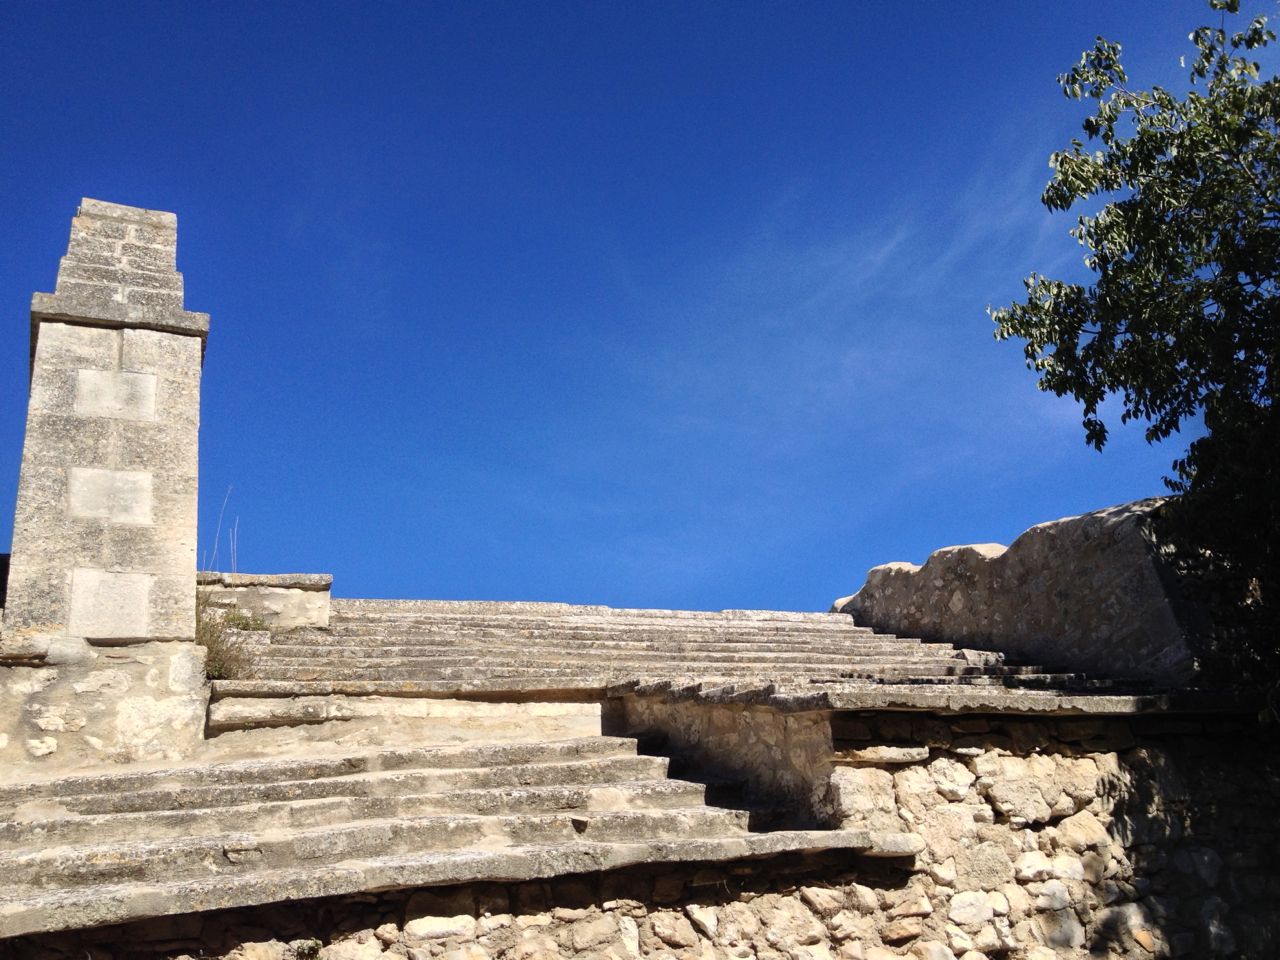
x,y
83,311
912,698
104,209
364,606
285,581
284,601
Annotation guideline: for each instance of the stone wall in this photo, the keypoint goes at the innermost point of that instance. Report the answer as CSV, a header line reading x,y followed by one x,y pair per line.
x,y
1069,838
107,705
1084,593
1076,834
785,758
283,601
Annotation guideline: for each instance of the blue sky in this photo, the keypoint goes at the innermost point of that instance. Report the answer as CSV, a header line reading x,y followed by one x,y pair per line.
x,y
660,304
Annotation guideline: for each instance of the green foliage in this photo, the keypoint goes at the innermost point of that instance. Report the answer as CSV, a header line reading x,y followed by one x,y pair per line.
x,y
1182,319
225,655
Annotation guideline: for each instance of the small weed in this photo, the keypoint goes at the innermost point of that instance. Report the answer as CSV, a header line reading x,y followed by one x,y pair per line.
x,y
226,657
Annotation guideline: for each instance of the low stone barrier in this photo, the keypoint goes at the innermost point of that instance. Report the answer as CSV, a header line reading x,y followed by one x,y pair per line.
x,y
1087,593
284,601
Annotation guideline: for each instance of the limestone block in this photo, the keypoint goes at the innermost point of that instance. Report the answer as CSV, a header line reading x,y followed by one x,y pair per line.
x,y
283,601
120,496
864,797
117,394
107,605
74,347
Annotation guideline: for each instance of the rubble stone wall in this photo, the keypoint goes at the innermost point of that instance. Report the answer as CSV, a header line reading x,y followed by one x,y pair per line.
x,y
1085,593
784,758
104,705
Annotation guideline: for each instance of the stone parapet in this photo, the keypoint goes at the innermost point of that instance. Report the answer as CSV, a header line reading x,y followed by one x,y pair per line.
x,y
1087,593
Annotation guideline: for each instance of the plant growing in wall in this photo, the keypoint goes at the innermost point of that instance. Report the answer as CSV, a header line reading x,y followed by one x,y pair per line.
x,y
226,657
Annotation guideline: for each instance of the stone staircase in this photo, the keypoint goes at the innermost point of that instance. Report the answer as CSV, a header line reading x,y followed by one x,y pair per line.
x,y
505,774
454,648
99,848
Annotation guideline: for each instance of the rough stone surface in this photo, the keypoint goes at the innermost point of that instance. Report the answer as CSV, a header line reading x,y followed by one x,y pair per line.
x,y
1083,593
282,601
143,702
104,532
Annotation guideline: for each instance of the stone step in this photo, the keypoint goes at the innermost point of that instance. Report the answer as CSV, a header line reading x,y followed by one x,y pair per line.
x,y
244,852
843,628
655,631
499,659
408,641
291,813
596,770
115,784
356,609
30,911
526,690
579,675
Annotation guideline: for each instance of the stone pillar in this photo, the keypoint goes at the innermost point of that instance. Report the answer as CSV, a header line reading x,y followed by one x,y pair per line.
x,y
104,539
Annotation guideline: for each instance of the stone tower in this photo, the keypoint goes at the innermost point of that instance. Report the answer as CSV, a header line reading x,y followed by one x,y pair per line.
x,y
104,539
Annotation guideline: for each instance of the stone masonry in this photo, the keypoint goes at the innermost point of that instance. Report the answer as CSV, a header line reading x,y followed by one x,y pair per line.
x,y
1088,593
104,534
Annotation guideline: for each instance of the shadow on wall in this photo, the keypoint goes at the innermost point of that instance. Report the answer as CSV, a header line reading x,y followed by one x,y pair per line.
x,y
1197,819
4,577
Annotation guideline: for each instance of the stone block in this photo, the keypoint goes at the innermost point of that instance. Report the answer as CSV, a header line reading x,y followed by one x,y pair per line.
x,y
77,347
140,256
172,605
117,394
153,445
120,496
65,440
99,209
53,392
88,296
170,300
153,351
109,606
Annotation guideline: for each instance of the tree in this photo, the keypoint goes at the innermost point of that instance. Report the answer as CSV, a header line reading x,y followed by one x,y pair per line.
x,y
1182,318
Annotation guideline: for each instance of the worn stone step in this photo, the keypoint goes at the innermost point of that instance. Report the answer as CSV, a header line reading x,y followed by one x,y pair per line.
x,y
500,660
243,851
489,629
356,608
47,911
274,770
739,654
552,632
80,828
384,783
302,670
525,690
326,643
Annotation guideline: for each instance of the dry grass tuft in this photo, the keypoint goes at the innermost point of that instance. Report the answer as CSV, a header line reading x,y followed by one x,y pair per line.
x,y
226,657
